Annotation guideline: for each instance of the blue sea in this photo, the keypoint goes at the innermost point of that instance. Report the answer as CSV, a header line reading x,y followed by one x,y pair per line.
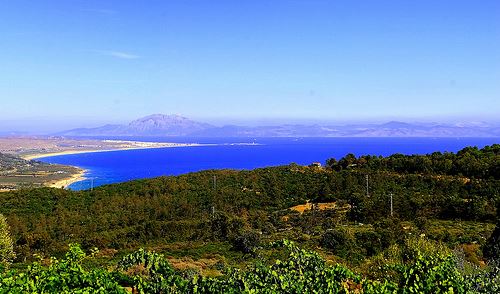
x,y
119,166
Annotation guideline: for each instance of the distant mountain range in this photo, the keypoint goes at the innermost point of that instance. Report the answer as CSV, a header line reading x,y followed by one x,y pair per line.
x,y
152,125
175,125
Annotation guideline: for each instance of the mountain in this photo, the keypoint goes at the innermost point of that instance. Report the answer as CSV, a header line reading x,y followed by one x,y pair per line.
x,y
390,129
175,125
152,125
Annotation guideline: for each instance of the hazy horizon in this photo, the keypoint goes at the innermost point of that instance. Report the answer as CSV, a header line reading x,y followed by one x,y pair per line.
x,y
45,125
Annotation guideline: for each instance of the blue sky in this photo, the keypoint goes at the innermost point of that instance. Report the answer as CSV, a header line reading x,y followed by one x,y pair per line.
x,y
89,62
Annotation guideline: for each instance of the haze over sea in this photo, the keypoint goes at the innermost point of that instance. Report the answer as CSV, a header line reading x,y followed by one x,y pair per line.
x,y
119,166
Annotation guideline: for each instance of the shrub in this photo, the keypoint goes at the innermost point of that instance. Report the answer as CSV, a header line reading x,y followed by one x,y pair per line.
x,y
390,231
247,242
370,241
61,276
431,274
149,272
338,240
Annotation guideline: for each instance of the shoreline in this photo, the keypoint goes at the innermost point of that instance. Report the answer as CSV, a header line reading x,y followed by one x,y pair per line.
x,y
148,145
80,172
66,182
70,152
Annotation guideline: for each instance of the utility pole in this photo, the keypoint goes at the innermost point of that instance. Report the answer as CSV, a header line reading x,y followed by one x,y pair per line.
x,y
214,185
367,191
91,184
392,211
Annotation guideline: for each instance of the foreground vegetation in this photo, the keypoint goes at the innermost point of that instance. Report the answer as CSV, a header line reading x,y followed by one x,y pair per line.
x,y
427,270
223,231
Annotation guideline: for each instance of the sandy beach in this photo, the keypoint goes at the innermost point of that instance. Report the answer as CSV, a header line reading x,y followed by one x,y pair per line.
x,y
129,145
39,173
64,183
116,145
68,152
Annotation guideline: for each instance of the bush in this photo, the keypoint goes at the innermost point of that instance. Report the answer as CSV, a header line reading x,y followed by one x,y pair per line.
x,y
219,225
370,241
61,276
390,231
247,242
149,272
432,274
338,240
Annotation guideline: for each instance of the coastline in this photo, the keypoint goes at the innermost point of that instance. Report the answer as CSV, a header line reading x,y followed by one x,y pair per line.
x,y
80,173
69,152
65,182
145,145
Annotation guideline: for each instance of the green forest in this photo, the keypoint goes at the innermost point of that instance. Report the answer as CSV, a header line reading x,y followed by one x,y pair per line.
x,y
396,224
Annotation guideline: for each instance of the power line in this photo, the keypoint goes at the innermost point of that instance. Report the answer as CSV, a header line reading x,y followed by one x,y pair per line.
x,y
214,185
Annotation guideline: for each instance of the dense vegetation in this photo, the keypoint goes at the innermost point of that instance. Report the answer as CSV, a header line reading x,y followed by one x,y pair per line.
x,y
469,162
444,214
298,271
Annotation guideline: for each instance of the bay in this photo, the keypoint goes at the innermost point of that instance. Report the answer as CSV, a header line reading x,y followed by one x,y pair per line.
x,y
124,165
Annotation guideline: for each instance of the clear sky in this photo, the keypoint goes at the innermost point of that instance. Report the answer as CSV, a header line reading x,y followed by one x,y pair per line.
x,y
87,62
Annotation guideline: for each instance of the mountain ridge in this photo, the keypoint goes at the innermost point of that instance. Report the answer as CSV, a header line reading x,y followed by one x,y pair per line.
x,y
173,125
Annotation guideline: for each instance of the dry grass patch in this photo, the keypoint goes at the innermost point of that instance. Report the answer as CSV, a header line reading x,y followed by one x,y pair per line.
x,y
204,266
301,208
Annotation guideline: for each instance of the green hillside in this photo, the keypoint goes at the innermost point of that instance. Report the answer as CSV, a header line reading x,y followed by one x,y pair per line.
x,y
210,223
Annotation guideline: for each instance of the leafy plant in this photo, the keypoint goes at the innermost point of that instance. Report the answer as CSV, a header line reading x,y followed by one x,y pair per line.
x,y
61,276
150,272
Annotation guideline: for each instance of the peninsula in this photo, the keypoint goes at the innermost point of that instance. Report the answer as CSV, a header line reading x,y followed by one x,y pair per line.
x,y
19,167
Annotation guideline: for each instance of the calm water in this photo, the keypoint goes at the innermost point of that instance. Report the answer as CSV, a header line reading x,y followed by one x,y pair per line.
x,y
119,166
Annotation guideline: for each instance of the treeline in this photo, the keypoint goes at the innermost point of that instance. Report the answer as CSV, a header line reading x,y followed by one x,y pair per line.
x,y
224,205
470,162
